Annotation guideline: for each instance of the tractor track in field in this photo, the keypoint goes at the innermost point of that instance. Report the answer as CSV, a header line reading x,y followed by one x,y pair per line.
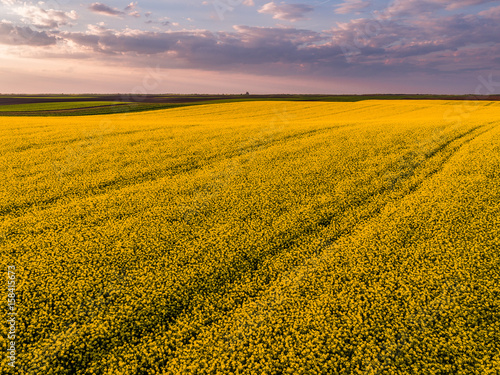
x,y
152,176
307,263
314,257
377,210
105,187
170,316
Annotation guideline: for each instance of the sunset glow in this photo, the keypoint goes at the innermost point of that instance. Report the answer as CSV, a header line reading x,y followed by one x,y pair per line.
x,y
222,46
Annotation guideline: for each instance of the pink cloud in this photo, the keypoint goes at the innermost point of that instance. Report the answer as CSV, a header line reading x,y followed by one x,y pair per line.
x,y
286,12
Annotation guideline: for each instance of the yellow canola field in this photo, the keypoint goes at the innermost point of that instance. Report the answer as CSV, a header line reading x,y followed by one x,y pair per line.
x,y
256,238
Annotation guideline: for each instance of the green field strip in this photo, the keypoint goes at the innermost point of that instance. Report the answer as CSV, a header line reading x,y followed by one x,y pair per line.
x,y
37,107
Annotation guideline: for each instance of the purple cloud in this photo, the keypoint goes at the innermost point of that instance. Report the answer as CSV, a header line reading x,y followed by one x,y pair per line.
x,y
388,44
286,12
45,19
416,7
25,36
352,6
427,45
131,7
491,13
106,10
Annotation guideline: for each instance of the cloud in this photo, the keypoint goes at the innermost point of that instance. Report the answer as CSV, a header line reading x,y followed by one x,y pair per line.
x,y
106,10
246,45
465,3
286,12
131,7
352,6
129,10
409,7
363,47
248,3
26,36
45,19
114,42
426,45
161,21
410,42
415,7
491,13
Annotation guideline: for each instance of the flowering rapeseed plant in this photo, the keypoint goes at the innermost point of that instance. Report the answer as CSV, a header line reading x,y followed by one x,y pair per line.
x,y
216,239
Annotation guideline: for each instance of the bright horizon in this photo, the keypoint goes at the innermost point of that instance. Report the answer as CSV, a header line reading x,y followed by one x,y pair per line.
x,y
234,46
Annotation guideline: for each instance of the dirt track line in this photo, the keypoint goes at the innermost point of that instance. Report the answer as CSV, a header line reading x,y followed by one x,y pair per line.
x,y
17,210
377,210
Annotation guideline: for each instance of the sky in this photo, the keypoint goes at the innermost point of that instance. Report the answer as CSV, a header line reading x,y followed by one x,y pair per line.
x,y
263,47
